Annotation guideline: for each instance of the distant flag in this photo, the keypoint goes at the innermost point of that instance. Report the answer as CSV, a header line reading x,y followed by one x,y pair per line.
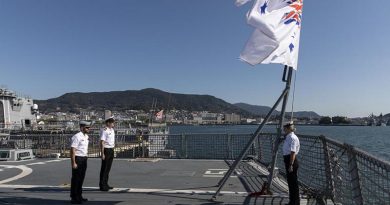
x,y
159,115
276,38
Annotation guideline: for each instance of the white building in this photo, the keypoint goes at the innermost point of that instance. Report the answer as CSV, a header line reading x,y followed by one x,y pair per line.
x,y
107,114
232,118
207,118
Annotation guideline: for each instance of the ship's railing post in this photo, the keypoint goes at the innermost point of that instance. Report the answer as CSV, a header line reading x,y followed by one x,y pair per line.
x,y
60,141
143,148
331,191
259,155
183,146
229,146
24,141
354,173
39,147
134,148
65,141
51,143
93,146
138,147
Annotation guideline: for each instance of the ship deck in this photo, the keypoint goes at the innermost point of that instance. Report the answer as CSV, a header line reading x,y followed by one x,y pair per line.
x,y
47,181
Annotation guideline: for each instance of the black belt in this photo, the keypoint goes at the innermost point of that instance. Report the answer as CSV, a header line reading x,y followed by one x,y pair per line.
x,y
108,148
288,156
82,156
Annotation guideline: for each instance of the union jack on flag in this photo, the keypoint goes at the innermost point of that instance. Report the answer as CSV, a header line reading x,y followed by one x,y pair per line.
x,y
294,15
276,37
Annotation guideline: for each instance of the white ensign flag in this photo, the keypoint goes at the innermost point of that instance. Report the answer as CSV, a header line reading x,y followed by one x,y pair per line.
x,y
277,30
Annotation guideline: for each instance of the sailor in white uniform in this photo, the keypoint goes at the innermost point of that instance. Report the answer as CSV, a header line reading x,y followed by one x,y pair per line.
x,y
290,151
79,156
107,145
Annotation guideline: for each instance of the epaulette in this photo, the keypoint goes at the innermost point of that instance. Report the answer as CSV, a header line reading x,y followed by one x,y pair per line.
x,y
105,129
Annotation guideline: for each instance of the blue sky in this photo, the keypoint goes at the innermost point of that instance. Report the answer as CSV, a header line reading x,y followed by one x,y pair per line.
x,y
50,47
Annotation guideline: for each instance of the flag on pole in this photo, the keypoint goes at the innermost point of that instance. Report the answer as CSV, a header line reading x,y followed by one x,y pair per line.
x,y
159,115
277,26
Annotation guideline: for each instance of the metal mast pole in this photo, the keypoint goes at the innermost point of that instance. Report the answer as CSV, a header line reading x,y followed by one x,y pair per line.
x,y
287,79
280,128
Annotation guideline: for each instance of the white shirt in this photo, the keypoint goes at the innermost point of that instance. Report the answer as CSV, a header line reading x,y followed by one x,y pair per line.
x,y
80,143
108,136
291,144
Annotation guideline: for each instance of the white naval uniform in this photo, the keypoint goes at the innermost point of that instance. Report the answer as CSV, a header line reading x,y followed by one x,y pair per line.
x,y
108,136
291,144
80,143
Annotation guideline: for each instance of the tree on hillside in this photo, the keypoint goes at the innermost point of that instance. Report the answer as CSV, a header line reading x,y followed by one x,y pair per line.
x,y
340,120
325,121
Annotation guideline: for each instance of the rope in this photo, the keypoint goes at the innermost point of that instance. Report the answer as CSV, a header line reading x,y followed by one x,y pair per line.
x,y
293,97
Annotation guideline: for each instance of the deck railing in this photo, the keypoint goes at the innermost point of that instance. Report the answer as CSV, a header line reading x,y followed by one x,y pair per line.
x,y
328,169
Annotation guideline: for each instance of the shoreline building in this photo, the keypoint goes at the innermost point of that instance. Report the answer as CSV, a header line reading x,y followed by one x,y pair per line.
x,y
206,118
16,112
232,118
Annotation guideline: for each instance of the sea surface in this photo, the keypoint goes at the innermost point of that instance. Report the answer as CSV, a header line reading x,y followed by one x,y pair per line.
x,y
374,140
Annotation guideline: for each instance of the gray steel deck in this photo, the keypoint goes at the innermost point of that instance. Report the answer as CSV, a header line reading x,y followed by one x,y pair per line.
x,y
137,182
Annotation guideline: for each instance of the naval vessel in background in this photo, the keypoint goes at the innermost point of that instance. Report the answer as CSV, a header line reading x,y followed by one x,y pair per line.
x,y
16,112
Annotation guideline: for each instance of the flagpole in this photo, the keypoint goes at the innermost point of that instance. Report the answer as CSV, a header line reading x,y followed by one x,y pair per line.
x,y
287,75
280,128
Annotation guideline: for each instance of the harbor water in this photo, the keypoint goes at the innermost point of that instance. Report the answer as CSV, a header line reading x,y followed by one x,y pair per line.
x,y
374,140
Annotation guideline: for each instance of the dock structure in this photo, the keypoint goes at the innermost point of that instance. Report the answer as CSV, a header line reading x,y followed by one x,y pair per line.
x,y
189,170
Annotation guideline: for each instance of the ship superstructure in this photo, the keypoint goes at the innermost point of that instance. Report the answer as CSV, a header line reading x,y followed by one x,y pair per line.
x,y
16,112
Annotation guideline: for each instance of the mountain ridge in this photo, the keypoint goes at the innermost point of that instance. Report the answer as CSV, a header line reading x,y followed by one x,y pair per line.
x,y
137,100
143,99
263,110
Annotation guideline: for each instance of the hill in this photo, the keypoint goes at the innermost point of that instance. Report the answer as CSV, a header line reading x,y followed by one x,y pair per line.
x,y
137,100
255,109
263,110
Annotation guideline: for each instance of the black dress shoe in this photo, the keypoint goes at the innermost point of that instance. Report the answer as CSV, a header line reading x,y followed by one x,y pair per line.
x,y
76,201
110,187
84,199
104,189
